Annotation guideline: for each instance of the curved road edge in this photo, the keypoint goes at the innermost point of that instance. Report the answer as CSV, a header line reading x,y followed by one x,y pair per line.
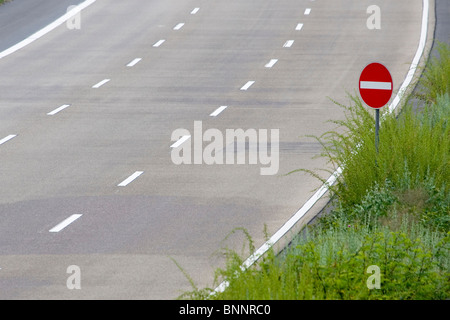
x,y
75,9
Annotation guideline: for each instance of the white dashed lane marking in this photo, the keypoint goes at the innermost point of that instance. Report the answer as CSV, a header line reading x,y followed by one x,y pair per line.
x,y
6,139
134,62
288,44
271,63
101,83
65,223
178,26
159,43
52,113
130,179
247,85
218,111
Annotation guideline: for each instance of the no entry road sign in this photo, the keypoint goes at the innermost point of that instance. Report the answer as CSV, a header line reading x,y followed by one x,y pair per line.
x,y
375,85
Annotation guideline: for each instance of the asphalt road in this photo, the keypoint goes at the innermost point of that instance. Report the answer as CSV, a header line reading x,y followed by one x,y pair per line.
x,y
72,162
442,12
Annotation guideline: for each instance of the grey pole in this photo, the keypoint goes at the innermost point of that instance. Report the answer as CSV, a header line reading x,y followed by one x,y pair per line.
x,y
377,128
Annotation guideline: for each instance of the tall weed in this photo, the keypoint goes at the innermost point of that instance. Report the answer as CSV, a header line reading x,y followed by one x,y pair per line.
x,y
332,263
410,145
435,80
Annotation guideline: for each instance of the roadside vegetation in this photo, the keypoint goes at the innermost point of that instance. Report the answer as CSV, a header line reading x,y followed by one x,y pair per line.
x,y
391,211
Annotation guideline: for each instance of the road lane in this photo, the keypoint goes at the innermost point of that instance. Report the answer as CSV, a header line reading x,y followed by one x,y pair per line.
x,y
72,164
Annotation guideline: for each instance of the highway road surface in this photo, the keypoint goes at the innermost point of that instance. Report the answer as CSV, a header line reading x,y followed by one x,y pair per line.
x,y
87,113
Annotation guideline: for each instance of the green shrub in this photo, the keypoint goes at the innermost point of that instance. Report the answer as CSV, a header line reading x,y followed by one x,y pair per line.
x,y
332,263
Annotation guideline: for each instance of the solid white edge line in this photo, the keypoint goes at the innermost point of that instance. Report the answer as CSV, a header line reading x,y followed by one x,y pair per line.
x,y
180,141
218,111
333,178
46,29
52,113
6,139
376,85
101,83
134,62
130,179
65,223
416,59
247,85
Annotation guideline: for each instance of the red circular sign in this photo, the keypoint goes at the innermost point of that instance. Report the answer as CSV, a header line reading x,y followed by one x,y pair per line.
x,y
375,85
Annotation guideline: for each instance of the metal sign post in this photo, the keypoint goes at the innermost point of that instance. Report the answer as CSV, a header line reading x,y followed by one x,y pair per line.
x,y
375,87
377,129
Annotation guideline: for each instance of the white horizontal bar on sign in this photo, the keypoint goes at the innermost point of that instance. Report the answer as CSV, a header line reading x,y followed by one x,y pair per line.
x,y
65,223
377,85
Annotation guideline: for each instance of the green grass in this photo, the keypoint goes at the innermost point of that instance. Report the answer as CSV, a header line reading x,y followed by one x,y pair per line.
x,y
331,259
391,209
435,81
415,146
332,263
